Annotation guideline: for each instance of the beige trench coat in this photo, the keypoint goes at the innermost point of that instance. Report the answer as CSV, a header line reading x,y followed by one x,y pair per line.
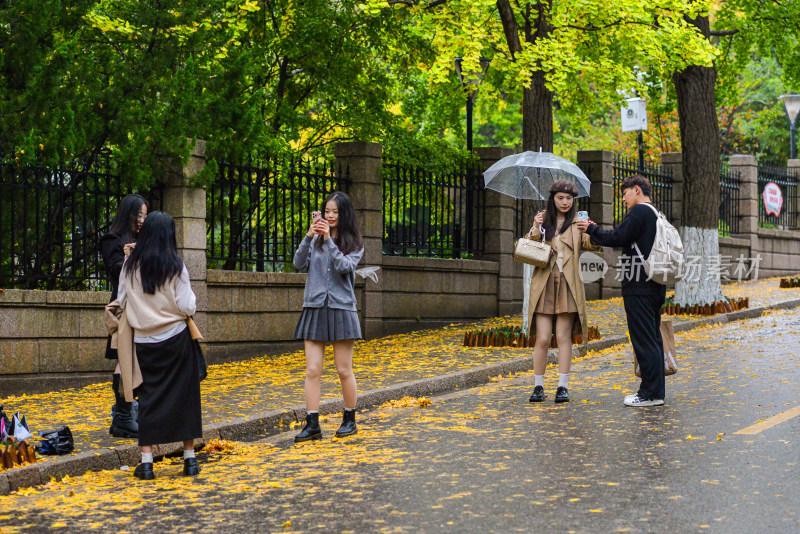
x,y
573,244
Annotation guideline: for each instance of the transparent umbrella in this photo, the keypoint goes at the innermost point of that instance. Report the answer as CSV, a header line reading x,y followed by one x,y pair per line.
x,y
529,175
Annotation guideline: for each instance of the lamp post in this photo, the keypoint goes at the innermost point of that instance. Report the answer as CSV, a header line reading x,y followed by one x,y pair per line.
x,y
792,105
468,78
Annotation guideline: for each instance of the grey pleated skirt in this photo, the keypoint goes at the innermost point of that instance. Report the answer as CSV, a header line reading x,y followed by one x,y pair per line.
x,y
328,324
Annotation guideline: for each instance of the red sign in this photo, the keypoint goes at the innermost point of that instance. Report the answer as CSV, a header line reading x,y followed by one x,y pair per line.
x,y
773,199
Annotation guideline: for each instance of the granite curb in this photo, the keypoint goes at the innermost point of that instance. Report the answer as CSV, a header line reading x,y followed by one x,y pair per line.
x,y
265,423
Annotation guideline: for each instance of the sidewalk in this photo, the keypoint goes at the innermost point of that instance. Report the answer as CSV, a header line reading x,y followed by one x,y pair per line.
x,y
255,397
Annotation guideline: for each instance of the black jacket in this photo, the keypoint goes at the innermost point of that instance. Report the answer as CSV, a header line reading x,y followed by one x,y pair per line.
x,y
638,226
111,248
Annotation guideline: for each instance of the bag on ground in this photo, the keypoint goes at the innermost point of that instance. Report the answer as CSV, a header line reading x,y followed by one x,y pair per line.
x,y
57,441
670,355
6,429
20,426
665,262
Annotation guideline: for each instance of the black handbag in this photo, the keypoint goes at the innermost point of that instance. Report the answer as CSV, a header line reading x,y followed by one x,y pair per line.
x,y
57,442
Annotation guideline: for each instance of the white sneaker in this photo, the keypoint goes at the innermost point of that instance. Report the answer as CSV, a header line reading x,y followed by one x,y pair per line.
x,y
634,400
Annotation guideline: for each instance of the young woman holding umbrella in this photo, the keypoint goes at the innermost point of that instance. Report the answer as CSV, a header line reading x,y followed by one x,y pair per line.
x,y
557,297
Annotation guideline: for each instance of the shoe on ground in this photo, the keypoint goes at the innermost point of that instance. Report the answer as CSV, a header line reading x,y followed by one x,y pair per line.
x,y
562,395
537,395
348,427
311,430
634,400
144,471
190,467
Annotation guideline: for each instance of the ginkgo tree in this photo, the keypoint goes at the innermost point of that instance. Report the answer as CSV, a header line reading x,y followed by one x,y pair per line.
x,y
575,52
741,28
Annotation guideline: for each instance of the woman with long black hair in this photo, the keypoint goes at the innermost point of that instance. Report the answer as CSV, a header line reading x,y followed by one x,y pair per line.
x,y
114,246
330,252
557,296
155,292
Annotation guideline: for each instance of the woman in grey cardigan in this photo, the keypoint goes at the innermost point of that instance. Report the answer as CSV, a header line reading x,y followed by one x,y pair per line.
x,y
330,252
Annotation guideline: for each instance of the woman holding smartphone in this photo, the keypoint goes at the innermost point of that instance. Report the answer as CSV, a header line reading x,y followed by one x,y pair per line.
x,y
330,252
115,245
557,296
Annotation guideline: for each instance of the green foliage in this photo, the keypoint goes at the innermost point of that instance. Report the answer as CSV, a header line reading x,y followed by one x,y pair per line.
x,y
588,55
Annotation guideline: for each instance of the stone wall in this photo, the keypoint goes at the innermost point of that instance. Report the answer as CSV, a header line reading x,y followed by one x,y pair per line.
x,y
52,338
428,292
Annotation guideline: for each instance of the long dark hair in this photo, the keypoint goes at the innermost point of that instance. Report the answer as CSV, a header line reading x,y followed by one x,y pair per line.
x,y
348,238
156,253
551,213
124,222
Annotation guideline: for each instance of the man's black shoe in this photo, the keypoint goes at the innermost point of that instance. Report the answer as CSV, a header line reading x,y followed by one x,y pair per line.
x,y
562,395
144,471
537,395
190,467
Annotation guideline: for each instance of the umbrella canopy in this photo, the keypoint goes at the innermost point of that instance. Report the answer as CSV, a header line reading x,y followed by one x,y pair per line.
x,y
529,175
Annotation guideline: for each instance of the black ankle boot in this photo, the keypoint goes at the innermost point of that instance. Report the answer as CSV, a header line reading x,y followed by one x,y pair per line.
x,y
311,431
123,424
348,427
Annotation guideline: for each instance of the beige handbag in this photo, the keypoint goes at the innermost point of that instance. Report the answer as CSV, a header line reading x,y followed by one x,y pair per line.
x,y
532,252
670,354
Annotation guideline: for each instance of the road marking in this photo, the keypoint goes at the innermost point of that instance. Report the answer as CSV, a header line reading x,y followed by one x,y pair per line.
x,y
770,422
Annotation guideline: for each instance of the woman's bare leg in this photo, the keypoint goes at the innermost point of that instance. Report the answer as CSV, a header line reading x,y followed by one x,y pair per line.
x,y
315,356
343,357
544,333
564,323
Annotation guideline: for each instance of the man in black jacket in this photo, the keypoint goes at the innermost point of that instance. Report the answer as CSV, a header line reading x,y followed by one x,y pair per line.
x,y
643,298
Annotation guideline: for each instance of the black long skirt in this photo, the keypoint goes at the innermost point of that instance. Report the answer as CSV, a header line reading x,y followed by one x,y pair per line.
x,y
169,397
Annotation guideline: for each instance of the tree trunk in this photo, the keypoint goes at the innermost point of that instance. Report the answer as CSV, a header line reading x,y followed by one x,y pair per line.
x,y
697,113
537,99
537,115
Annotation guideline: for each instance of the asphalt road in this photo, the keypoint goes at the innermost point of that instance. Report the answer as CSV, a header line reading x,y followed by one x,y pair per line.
x,y
721,456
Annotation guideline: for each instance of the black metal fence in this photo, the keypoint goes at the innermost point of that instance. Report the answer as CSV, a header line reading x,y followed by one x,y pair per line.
x,y
51,221
660,182
432,214
729,184
257,214
786,180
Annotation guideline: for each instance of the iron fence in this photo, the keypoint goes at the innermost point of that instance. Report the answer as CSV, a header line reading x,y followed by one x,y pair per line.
x,y
51,221
660,182
786,180
729,184
257,214
432,214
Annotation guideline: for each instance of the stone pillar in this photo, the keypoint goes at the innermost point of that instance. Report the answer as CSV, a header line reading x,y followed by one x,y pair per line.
x,y
674,162
187,205
362,161
747,167
794,165
598,165
500,225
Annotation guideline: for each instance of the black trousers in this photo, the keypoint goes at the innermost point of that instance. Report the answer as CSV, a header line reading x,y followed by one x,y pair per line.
x,y
644,326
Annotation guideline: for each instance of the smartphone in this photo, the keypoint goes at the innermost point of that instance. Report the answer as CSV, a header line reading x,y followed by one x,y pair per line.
x,y
315,215
583,215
